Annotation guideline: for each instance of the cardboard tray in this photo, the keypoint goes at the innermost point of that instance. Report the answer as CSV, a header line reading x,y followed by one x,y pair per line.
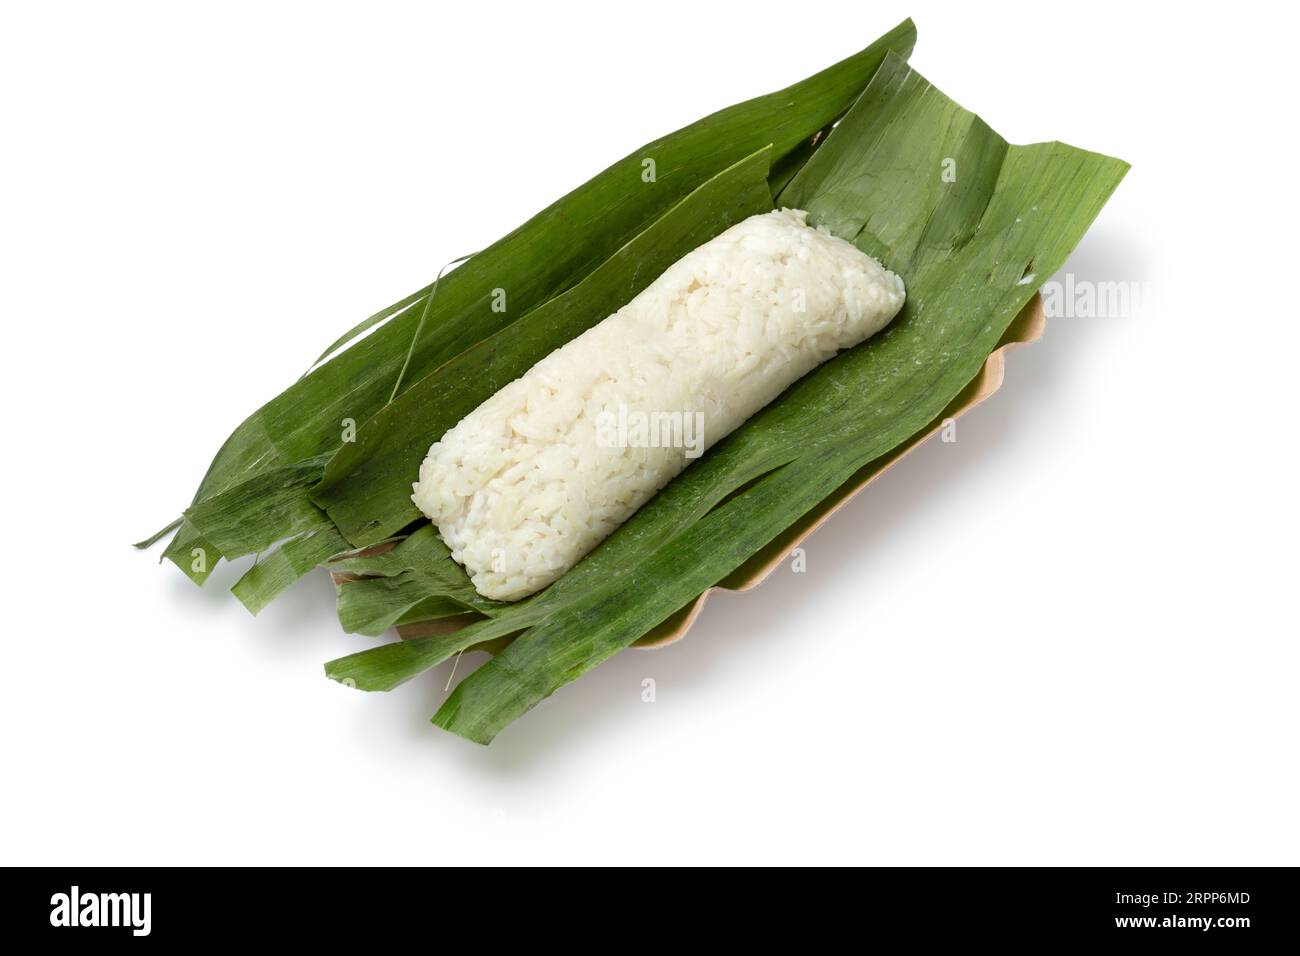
x,y
1027,327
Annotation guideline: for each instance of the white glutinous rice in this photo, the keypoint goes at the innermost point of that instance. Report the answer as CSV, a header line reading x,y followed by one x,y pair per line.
x,y
549,466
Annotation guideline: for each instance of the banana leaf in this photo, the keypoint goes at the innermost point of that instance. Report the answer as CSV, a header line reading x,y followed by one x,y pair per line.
x,y
273,573
971,247
259,471
379,589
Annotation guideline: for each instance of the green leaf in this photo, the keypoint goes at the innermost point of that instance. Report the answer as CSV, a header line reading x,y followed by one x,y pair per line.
x,y
192,553
157,536
970,250
236,521
275,572
382,602
368,323
419,571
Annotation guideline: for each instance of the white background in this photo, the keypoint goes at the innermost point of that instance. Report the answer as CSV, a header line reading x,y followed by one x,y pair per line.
x,y
1069,637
